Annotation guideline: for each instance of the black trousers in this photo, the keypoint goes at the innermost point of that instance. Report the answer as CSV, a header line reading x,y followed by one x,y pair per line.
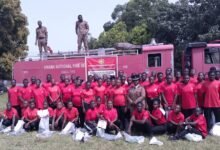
x,y
159,129
145,128
187,112
122,122
90,127
18,108
32,126
208,115
60,124
81,115
181,135
8,122
173,129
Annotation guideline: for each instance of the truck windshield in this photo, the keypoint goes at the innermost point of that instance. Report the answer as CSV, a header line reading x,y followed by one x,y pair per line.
x,y
212,55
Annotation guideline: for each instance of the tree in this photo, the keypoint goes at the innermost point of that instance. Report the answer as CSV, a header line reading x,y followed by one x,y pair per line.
x,y
13,34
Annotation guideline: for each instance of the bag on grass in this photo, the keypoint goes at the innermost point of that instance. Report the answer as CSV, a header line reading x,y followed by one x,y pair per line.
x,y
69,128
155,141
193,137
215,129
102,124
18,129
81,135
44,125
133,139
110,137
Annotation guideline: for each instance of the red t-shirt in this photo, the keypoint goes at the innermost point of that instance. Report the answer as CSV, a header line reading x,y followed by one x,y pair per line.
x,y
13,96
177,118
39,96
94,84
51,112
109,92
61,85
66,93
159,115
46,85
144,84
33,86
100,109
201,124
152,91
91,115
23,110
25,93
169,91
101,92
54,92
58,112
119,96
76,96
110,114
30,114
187,93
10,113
212,93
71,114
199,93
141,115
88,95
193,80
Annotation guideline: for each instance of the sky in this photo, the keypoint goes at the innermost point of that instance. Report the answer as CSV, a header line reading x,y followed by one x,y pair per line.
x,y
59,16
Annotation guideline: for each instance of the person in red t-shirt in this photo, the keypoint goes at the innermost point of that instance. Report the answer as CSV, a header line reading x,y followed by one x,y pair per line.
x,y
158,118
175,120
33,82
91,118
71,114
25,93
211,90
144,79
99,106
88,95
152,92
140,120
110,115
10,117
193,77
66,92
187,96
61,84
169,92
196,124
53,94
24,108
77,100
13,97
31,118
39,95
100,91
111,89
59,116
199,92
160,79
48,83
120,102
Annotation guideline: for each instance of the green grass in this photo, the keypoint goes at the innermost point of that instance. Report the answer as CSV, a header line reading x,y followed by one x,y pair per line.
x,y
29,141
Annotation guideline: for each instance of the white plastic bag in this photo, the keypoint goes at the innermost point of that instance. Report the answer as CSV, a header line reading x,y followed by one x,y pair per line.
x,y
101,133
6,130
43,113
102,124
1,126
133,139
69,128
193,137
19,126
44,125
81,135
215,129
155,141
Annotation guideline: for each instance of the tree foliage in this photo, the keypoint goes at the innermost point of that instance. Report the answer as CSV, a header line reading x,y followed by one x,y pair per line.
x,y
13,34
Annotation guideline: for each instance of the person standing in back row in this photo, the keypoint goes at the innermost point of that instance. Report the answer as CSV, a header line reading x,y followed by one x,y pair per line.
x,y
82,29
41,37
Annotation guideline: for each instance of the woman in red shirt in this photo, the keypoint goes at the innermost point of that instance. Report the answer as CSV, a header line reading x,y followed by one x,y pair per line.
x,y
77,100
99,106
119,102
58,117
71,114
158,118
66,92
199,92
100,91
152,92
31,118
88,95
187,96
54,94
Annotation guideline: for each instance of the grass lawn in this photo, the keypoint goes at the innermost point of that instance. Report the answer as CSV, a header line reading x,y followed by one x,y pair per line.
x,y
29,141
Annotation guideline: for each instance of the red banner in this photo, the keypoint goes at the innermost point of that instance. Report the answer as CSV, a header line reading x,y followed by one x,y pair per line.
x,y
101,65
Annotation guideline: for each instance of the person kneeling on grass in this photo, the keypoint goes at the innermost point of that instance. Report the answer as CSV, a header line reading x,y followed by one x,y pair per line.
x,y
31,118
59,116
10,116
158,118
196,123
175,120
110,115
91,118
140,120
71,114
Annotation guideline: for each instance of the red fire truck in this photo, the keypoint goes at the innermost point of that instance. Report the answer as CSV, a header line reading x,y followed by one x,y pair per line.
x,y
200,56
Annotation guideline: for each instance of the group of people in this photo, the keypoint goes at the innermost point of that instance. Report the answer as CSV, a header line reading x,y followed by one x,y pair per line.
x,y
81,28
142,103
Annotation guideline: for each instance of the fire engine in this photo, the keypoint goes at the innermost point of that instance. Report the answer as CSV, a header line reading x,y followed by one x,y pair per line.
x,y
147,58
